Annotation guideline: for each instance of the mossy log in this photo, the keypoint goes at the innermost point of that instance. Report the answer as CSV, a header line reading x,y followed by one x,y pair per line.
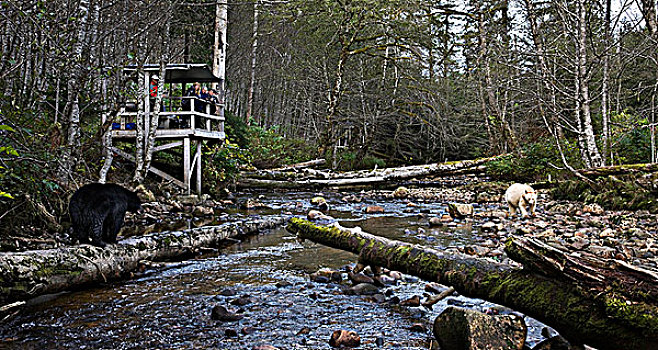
x,y
620,170
576,315
357,179
24,275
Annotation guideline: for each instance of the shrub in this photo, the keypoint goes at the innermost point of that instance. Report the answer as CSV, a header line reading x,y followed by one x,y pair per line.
x,y
534,163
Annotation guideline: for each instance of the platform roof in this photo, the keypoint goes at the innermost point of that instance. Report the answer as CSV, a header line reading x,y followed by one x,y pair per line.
x,y
180,72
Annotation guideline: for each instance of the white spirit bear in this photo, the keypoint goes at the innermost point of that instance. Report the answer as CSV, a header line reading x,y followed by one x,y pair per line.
x,y
520,197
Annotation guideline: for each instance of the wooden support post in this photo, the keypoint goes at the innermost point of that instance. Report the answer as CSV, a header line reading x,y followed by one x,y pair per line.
x,y
147,109
199,144
186,163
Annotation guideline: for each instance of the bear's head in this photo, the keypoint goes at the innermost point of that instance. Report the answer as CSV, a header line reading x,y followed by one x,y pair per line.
x,y
530,196
134,204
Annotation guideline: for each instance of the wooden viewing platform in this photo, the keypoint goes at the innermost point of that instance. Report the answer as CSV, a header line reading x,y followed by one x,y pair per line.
x,y
184,121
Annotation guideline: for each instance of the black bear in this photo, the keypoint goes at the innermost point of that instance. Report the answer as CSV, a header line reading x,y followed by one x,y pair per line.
x,y
97,212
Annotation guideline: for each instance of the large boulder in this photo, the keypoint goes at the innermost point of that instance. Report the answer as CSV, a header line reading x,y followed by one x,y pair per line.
x,y
463,329
460,210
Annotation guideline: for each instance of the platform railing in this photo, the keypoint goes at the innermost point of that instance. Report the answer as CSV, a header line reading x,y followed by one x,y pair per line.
x,y
175,119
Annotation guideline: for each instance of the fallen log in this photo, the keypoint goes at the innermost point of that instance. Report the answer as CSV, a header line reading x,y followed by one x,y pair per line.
x,y
24,275
358,179
302,165
620,170
599,276
576,315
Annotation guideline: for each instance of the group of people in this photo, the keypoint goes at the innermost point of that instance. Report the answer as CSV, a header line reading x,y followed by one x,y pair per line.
x,y
206,96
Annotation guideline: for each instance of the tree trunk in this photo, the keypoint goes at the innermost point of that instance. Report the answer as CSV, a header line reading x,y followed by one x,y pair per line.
x,y
252,71
154,119
24,275
219,49
69,156
593,153
561,305
605,90
140,124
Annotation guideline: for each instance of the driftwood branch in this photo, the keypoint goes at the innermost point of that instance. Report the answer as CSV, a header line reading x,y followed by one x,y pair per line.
x,y
564,306
25,275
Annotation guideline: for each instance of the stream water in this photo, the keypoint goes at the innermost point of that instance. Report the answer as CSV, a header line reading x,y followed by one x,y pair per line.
x,y
171,309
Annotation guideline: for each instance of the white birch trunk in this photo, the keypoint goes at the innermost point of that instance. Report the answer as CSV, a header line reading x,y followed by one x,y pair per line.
x,y
583,77
69,158
252,79
139,125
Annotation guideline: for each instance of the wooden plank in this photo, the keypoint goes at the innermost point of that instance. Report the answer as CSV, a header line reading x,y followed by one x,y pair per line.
x,y
152,169
205,134
167,146
197,159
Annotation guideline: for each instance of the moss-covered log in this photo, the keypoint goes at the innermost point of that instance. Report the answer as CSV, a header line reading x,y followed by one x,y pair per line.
x,y
27,274
576,315
357,179
620,170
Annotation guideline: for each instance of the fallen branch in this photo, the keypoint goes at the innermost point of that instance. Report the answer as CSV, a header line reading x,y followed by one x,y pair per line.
x,y
27,274
563,306
433,299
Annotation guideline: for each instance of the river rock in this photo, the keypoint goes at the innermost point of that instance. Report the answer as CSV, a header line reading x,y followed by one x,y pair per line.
x,y
320,202
418,328
412,302
357,278
435,221
252,203
325,275
242,301
460,210
202,211
593,209
344,338
476,250
464,329
362,289
314,215
446,218
384,280
401,192
264,347
374,209
220,313
491,226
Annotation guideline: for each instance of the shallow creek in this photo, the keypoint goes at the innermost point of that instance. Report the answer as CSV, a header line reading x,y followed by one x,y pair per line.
x,y
171,309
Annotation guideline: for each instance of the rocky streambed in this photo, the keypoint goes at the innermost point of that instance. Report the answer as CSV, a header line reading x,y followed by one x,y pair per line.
x,y
269,285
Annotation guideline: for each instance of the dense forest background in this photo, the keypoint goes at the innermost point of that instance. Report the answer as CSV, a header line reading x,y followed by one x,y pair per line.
x,y
557,84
